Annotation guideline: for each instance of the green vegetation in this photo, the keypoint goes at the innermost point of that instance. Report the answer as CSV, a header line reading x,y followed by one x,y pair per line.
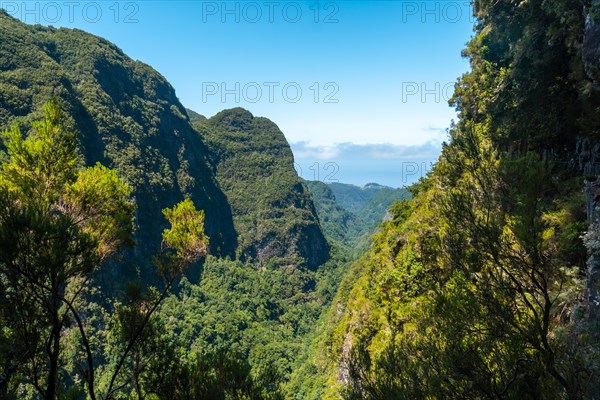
x,y
194,116
273,212
338,224
58,223
370,202
261,315
123,114
476,287
474,284
351,220
128,119
56,227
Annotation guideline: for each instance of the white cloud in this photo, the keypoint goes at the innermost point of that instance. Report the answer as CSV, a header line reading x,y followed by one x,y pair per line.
x,y
305,150
376,151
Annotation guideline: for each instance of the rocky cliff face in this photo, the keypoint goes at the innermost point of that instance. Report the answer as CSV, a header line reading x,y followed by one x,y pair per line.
x,y
588,163
592,242
587,160
591,43
588,156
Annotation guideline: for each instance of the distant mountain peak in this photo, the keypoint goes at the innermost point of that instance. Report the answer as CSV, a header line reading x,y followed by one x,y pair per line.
x,y
373,185
235,117
273,211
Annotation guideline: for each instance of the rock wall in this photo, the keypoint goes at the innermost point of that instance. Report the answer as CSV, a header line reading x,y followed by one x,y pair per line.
x,y
592,243
591,43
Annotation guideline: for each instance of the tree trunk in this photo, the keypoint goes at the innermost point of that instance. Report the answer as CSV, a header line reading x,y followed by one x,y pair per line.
x,y
53,354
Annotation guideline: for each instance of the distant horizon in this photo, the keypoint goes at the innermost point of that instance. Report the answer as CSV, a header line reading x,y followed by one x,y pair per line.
x,y
358,186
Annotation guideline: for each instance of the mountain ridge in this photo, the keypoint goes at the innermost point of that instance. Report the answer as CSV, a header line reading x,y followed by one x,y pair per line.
x,y
254,166
130,118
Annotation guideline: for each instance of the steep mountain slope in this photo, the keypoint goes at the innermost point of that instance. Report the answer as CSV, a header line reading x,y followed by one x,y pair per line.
x,y
129,118
194,116
352,198
352,220
338,223
479,287
369,203
248,310
273,212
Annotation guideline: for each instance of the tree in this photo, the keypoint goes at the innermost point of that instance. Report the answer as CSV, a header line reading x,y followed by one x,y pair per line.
x,y
183,244
58,223
477,286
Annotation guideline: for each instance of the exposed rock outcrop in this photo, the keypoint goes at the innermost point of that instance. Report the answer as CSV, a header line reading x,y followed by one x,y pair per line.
x,y
592,243
591,43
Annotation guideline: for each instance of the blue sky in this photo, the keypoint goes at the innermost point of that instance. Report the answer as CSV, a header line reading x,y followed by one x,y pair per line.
x,y
360,84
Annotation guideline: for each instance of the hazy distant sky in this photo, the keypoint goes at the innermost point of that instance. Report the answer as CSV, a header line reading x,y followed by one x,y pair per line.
x,y
362,84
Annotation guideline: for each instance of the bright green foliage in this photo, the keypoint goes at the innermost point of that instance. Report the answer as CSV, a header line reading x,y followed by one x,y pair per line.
x,y
41,165
459,299
186,235
351,220
473,289
136,338
238,333
99,201
57,223
264,316
55,232
128,119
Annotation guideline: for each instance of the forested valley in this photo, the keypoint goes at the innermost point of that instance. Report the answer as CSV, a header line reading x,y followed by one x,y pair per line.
x,y
149,252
